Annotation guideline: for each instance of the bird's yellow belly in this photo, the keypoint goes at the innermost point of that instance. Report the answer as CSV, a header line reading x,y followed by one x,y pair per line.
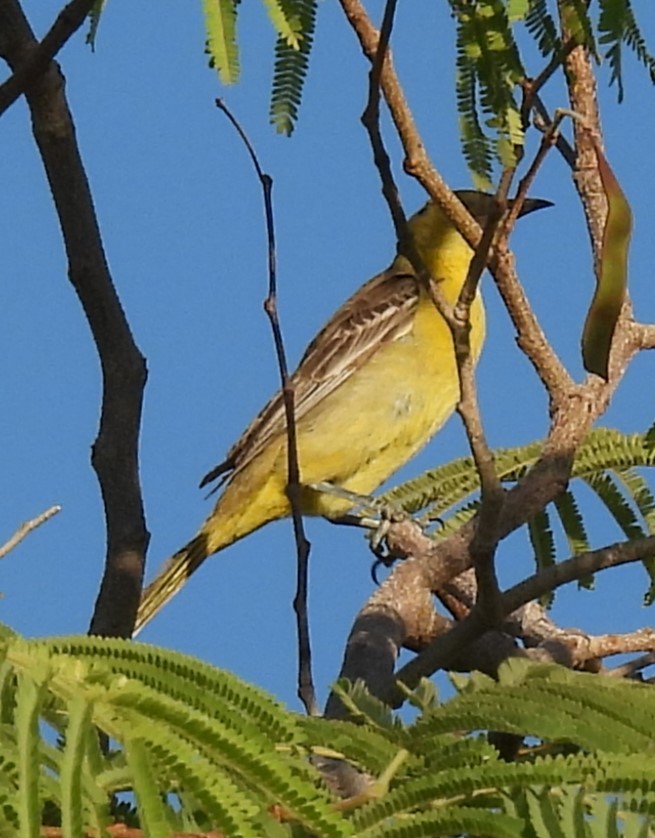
x,y
365,431
382,415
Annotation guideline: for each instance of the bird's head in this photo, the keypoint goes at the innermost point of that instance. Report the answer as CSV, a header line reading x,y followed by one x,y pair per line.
x,y
430,224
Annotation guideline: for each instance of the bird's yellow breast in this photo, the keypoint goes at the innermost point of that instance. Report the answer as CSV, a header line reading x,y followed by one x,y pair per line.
x,y
373,422
385,412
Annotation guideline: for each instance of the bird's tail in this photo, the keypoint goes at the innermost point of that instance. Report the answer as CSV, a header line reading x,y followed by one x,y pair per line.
x,y
239,511
171,578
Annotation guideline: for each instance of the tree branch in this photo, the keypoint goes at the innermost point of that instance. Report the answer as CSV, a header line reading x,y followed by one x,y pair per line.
x,y
306,692
39,55
439,654
115,451
418,164
26,528
395,610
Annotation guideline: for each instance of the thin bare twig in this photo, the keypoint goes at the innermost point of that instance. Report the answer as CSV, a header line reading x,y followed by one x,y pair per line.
x,y
532,86
26,528
457,317
371,121
543,123
485,541
630,669
418,164
306,692
548,139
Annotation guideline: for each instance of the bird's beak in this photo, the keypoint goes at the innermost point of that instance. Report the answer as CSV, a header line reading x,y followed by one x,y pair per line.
x,y
533,204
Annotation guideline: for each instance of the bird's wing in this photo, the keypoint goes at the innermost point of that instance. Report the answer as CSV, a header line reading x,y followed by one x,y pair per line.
x,y
379,312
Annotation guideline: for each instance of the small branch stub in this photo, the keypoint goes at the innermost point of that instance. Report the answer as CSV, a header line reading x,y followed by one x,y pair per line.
x,y
26,528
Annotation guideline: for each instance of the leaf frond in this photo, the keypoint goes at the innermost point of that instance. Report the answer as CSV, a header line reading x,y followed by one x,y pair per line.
x,y
617,26
489,68
221,36
291,62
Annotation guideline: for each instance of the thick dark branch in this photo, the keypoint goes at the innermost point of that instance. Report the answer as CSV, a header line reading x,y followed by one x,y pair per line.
x,y
36,60
115,451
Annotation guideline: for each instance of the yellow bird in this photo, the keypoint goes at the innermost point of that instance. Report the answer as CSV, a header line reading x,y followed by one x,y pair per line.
x,y
375,384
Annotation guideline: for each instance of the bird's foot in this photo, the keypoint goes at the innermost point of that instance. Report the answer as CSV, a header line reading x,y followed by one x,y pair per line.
x,y
384,556
359,502
386,514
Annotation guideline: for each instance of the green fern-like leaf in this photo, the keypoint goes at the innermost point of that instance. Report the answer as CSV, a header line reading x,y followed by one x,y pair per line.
x,y
596,713
455,752
29,695
572,523
153,814
618,26
94,21
227,806
476,146
542,27
452,821
637,489
574,530
291,63
364,707
486,785
221,29
650,437
615,503
367,748
171,735
439,490
243,707
285,21
79,726
543,544
195,770
572,811
606,460
250,762
488,70
577,20
542,540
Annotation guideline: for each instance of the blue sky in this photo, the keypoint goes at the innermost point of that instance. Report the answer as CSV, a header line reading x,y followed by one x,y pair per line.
x,y
182,219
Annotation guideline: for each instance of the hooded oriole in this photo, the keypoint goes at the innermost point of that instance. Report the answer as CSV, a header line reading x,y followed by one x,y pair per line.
x,y
372,388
